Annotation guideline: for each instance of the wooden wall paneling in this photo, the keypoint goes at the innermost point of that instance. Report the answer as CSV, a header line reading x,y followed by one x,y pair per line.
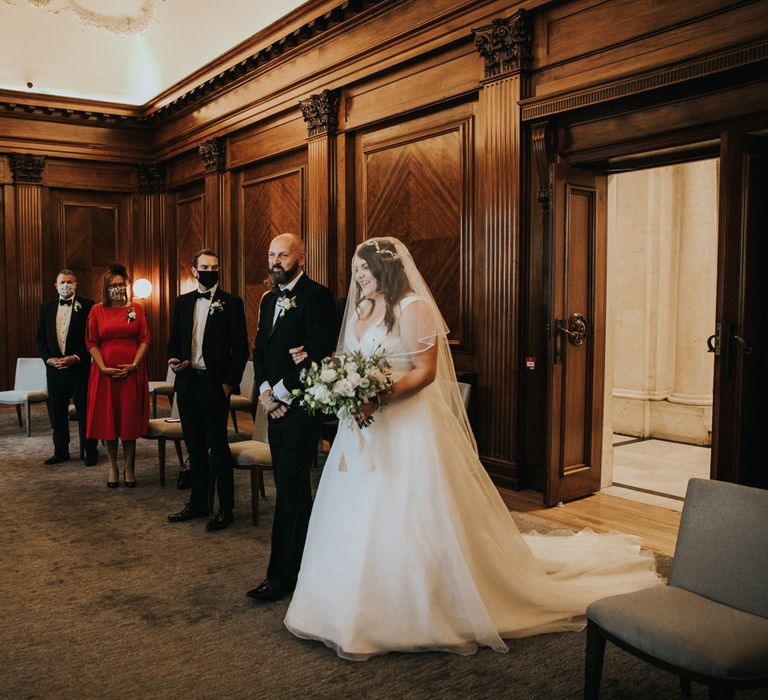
x,y
5,317
29,200
88,232
321,115
504,46
189,218
584,43
82,140
269,138
184,170
345,212
87,175
415,183
148,206
271,200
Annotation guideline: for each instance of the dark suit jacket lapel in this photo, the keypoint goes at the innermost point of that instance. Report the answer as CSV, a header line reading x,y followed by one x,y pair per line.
x,y
187,311
295,292
53,341
211,316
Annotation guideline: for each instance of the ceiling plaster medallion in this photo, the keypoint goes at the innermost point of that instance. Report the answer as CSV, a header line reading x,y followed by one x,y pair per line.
x,y
132,18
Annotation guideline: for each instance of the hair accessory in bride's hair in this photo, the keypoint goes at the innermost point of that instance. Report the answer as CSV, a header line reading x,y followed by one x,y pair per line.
x,y
383,251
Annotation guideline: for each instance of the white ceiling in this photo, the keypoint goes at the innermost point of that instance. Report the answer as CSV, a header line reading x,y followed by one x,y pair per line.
x,y
125,51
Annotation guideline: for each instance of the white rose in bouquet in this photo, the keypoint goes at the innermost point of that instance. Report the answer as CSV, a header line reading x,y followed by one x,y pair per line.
x,y
329,375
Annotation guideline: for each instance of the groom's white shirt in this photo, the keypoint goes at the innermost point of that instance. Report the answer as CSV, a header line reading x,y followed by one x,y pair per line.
x,y
279,389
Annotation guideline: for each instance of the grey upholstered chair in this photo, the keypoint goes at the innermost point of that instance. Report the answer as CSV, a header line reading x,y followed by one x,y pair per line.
x,y
710,624
255,456
165,388
30,386
248,399
164,429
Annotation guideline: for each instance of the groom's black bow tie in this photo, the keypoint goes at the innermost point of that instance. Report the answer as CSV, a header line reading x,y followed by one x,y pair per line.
x,y
204,295
65,302
276,291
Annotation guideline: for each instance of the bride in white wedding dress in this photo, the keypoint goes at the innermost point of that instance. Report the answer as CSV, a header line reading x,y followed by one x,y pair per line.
x,y
410,547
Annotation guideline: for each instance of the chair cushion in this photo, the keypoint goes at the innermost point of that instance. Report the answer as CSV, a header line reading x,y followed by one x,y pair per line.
x,y
22,396
239,402
251,452
160,427
687,630
164,388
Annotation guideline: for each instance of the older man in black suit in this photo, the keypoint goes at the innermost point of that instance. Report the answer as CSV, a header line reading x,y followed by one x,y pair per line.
x,y
61,343
298,312
207,349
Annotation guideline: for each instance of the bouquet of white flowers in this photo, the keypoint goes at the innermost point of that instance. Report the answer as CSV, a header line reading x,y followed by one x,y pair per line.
x,y
341,385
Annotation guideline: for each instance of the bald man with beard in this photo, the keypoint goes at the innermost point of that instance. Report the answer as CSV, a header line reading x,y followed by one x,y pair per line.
x,y
297,312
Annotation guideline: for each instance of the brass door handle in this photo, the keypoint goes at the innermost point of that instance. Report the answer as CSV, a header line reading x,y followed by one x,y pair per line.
x,y
576,330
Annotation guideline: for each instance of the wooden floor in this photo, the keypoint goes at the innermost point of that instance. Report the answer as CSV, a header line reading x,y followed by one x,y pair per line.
x,y
602,513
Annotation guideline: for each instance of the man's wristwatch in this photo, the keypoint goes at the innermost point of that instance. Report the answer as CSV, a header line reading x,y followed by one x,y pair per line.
x,y
273,397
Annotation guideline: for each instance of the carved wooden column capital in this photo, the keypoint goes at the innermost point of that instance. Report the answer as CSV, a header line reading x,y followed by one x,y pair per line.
x,y
505,44
214,154
320,112
27,168
151,178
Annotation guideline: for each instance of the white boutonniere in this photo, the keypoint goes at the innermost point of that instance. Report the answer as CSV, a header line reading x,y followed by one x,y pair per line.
x,y
76,306
131,314
285,304
215,307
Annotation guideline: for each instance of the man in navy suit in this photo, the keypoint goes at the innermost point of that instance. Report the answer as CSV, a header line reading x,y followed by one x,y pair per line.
x,y
297,312
61,343
207,349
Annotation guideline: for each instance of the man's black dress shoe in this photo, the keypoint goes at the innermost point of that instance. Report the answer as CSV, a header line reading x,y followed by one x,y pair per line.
x,y
269,589
188,512
220,521
57,457
91,458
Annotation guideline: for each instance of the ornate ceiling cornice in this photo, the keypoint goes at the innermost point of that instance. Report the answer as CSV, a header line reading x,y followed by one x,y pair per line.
x,y
309,30
63,112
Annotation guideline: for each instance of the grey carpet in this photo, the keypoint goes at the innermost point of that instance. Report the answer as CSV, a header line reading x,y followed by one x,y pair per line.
x,y
100,597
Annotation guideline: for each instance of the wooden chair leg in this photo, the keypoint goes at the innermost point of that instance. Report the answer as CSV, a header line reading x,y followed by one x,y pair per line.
x,y
161,459
685,686
593,667
18,415
261,483
233,413
29,418
179,453
256,476
154,405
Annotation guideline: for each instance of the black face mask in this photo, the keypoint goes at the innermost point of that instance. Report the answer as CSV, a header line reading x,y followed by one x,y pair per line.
x,y
208,277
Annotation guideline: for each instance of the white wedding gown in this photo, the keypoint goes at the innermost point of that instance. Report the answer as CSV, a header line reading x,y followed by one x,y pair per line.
x,y
421,553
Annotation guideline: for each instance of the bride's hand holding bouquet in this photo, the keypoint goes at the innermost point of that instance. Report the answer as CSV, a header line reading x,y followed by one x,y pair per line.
x,y
345,385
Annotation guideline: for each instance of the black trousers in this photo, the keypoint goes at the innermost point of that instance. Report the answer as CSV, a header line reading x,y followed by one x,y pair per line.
x,y
63,385
204,411
292,443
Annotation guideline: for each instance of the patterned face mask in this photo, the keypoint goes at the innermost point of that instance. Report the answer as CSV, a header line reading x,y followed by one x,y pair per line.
x,y
118,294
66,289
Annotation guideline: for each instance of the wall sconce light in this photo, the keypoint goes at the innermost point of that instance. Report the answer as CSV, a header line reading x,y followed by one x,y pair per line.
x,y
142,288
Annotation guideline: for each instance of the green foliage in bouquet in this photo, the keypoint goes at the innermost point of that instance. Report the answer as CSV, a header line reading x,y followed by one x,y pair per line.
x,y
341,385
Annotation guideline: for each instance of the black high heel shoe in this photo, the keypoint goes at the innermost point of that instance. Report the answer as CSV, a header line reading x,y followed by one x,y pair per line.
x,y
129,484
113,484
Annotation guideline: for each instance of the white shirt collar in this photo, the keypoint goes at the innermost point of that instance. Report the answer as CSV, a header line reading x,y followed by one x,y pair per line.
x,y
212,290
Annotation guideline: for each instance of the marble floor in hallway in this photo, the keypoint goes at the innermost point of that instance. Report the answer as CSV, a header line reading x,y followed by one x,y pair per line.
x,y
655,471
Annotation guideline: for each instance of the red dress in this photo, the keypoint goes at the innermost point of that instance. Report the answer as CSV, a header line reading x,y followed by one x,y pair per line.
x,y
117,408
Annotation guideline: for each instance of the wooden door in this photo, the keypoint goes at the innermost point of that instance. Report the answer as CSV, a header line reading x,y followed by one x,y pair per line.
x,y
576,334
741,341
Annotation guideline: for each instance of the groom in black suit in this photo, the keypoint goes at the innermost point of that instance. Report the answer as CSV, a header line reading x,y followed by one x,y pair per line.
x,y
207,349
61,344
297,312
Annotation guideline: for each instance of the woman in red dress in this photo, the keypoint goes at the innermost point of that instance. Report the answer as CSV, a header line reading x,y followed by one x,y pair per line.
x,y
118,392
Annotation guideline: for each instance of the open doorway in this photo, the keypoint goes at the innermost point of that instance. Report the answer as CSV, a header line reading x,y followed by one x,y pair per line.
x,y
661,290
